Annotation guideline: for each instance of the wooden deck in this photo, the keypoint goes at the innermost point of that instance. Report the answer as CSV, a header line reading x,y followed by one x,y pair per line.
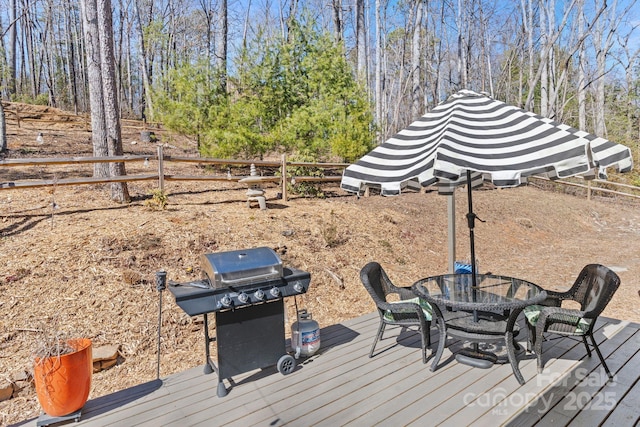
x,y
340,385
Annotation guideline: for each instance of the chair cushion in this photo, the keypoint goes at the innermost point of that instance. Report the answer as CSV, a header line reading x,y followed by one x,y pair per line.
x,y
426,308
532,313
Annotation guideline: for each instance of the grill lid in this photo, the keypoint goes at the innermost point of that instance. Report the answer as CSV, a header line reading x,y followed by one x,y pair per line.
x,y
241,266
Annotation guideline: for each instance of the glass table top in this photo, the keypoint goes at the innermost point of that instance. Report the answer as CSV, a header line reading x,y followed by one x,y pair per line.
x,y
458,290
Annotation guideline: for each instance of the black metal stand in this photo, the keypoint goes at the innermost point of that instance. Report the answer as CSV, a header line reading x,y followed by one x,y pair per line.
x,y
46,419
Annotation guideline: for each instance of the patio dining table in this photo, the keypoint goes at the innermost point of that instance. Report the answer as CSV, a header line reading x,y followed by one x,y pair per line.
x,y
485,313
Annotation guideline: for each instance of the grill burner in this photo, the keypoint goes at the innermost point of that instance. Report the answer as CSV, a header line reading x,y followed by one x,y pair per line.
x,y
245,291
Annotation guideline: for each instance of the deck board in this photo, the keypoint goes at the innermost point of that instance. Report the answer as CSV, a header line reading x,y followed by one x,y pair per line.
x,y
341,385
561,376
561,364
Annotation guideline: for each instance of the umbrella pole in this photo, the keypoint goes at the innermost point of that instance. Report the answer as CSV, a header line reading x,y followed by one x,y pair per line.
x,y
471,221
451,220
476,357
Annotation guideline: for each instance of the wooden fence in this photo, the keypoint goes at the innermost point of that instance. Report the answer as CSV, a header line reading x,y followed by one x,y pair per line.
x,y
281,178
597,186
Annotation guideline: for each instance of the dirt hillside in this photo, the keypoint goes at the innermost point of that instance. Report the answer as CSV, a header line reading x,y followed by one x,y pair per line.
x,y
72,258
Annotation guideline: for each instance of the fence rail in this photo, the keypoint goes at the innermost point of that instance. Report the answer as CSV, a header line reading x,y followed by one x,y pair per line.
x,y
281,179
161,176
597,186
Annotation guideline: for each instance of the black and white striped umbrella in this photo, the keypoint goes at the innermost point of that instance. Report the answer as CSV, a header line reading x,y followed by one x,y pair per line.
x,y
494,141
471,138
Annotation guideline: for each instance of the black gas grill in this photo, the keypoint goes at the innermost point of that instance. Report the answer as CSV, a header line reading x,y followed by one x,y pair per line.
x,y
245,290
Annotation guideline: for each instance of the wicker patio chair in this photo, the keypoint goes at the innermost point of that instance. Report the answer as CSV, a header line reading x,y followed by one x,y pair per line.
x,y
593,289
409,310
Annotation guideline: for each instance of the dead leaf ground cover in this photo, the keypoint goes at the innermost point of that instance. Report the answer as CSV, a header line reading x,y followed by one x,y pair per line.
x,y
72,257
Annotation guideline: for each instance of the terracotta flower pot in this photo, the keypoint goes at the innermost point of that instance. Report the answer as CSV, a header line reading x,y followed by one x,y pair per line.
x,y
63,382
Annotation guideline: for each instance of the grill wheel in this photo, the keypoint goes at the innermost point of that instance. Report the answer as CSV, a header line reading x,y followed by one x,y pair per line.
x,y
286,364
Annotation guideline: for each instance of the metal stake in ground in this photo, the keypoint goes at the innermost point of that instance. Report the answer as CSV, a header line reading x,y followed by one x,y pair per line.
x,y
161,285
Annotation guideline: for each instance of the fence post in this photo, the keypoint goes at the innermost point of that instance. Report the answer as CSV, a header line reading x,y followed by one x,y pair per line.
x,y
588,190
283,168
160,169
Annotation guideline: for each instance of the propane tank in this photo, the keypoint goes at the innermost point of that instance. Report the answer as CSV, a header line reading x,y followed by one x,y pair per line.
x,y
305,334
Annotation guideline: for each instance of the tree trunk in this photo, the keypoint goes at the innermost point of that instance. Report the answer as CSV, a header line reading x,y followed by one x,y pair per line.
x,y
531,49
221,46
337,18
361,42
439,58
378,72
119,190
146,82
49,51
29,44
3,130
92,47
286,24
416,74
462,45
632,58
544,61
130,98
13,34
582,89
71,61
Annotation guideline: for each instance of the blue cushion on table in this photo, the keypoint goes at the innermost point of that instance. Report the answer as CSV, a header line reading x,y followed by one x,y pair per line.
x,y
426,308
532,313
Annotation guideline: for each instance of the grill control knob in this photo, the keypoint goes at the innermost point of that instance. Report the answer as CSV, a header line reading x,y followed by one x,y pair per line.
x,y
226,301
243,298
275,292
259,294
298,287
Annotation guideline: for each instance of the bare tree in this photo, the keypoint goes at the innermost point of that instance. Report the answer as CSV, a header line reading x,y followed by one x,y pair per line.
x,y
603,35
631,58
49,49
361,41
378,66
144,66
438,54
547,29
336,7
3,130
463,43
582,87
207,13
527,22
70,58
550,33
221,46
286,23
416,74
13,34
